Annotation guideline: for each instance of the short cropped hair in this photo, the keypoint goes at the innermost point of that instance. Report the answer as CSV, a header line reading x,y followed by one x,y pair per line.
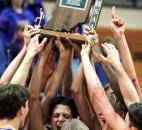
x,y
135,115
68,101
12,97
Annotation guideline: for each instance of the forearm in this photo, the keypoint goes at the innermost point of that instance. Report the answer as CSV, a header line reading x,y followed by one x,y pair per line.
x,y
13,66
79,97
128,62
36,80
128,90
66,90
97,94
56,79
78,81
90,75
126,56
22,73
35,116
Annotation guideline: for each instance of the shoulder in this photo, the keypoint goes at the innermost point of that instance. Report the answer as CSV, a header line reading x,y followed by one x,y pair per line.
x,y
6,13
7,10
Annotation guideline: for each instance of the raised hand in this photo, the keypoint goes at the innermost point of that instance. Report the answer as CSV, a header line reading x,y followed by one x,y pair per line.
x,y
29,31
93,36
47,48
86,48
49,67
34,46
117,24
112,55
65,47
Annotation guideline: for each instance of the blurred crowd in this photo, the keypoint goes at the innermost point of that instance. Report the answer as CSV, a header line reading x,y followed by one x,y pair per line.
x,y
14,15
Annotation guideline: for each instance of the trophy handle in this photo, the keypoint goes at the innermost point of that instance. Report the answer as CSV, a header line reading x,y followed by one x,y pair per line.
x,y
75,37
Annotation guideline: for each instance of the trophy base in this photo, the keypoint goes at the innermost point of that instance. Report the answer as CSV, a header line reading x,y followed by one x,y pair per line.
x,y
74,37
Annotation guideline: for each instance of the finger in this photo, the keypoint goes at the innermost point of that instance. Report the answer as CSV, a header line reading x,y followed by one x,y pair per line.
x,y
83,46
106,48
87,39
68,40
112,46
35,38
93,32
120,22
115,21
51,40
85,32
101,58
27,27
33,33
113,13
87,28
43,41
58,39
33,30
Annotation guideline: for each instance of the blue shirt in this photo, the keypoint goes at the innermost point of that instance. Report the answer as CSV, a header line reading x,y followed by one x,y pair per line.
x,y
6,129
38,1
102,75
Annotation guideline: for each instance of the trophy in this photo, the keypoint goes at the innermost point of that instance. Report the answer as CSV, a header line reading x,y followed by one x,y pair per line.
x,y
68,14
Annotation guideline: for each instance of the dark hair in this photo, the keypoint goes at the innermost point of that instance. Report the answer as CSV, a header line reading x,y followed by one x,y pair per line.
x,y
135,115
68,101
12,97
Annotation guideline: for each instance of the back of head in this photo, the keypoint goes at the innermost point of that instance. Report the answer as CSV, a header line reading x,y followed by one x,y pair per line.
x,y
135,115
74,124
68,101
117,104
12,97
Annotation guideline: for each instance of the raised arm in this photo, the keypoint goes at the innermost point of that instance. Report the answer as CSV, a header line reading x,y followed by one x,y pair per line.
x,y
97,94
128,90
12,67
29,31
33,48
81,102
118,28
68,76
56,78
35,115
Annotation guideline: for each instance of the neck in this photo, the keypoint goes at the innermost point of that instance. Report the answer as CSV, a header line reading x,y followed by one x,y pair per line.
x,y
9,123
18,9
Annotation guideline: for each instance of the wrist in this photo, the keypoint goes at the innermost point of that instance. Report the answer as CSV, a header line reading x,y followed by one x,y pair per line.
x,y
24,49
30,55
118,67
119,35
84,56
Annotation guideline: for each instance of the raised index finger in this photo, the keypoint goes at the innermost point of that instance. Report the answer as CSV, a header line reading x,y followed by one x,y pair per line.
x,y
113,12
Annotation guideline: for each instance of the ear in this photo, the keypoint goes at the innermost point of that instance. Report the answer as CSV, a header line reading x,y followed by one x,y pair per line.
x,y
21,111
